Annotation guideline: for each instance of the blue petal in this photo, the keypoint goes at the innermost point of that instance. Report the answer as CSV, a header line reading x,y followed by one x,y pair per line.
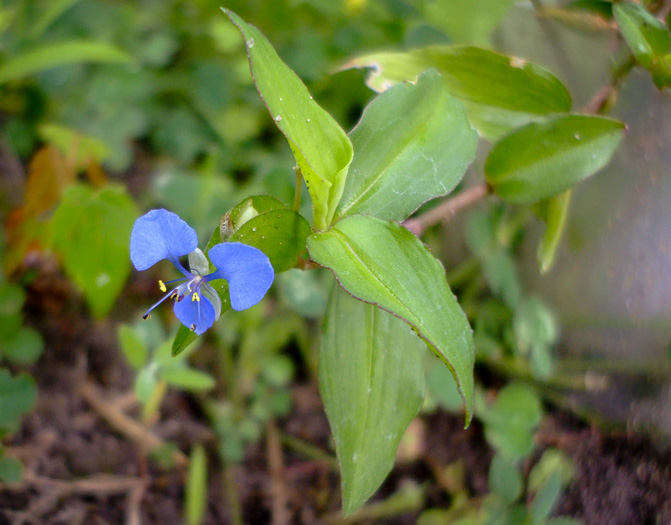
x,y
247,270
195,313
158,235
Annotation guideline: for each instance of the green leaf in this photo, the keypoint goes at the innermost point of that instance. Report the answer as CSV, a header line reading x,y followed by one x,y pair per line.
x,y
660,69
504,479
146,383
11,470
500,93
187,378
322,149
645,35
511,420
371,380
542,160
383,263
49,56
90,230
183,339
280,234
412,144
546,498
24,348
52,11
552,460
603,8
18,395
69,141
196,487
133,347
555,213
468,22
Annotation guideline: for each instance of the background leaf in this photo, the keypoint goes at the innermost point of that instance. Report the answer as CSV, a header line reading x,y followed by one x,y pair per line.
x,y
196,487
645,35
187,378
383,263
554,213
500,93
371,380
91,231
322,149
510,421
412,144
543,159
59,54
468,22
18,395
11,469
133,346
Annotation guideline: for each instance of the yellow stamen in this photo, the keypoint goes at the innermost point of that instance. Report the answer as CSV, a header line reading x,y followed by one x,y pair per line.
x,y
195,296
174,294
161,285
193,327
146,316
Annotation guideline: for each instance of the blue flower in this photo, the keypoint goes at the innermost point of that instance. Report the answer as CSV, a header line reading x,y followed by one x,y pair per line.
x,y
161,234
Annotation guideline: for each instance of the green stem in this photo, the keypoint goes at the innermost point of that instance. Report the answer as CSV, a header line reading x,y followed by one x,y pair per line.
x,y
154,402
308,450
232,495
298,191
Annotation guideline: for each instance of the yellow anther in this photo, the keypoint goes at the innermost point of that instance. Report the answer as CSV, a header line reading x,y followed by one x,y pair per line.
x,y
195,296
192,327
161,285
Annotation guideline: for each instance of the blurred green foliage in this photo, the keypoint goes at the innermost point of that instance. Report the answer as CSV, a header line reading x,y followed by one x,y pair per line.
x,y
125,88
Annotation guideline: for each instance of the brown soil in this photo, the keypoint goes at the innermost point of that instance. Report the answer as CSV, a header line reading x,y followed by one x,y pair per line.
x,y
81,470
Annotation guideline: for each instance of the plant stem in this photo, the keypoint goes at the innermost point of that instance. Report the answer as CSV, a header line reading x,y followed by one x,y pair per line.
x,y
447,209
605,96
308,450
232,495
280,511
298,191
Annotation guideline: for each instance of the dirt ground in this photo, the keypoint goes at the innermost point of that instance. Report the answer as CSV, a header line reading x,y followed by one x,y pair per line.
x,y
83,466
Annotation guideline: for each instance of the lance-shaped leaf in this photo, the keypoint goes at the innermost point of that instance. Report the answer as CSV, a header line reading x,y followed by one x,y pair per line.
x,y
49,56
322,149
383,263
412,144
646,36
544,159
500,93
371,380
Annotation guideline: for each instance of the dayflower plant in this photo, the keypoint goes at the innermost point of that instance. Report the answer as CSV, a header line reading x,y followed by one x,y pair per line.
x,y
161,234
